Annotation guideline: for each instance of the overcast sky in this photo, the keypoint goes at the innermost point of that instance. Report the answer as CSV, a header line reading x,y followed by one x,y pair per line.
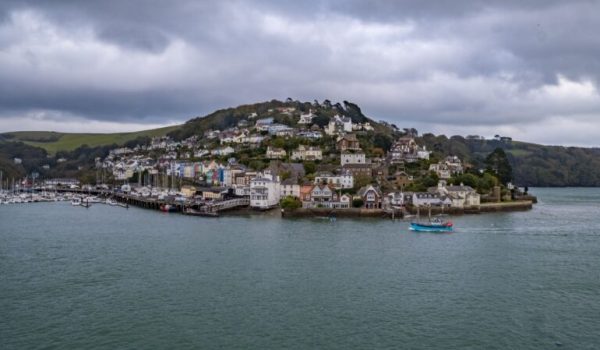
x,y
530,71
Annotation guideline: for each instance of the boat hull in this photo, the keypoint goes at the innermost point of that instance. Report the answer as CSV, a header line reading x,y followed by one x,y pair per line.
x,y
431,227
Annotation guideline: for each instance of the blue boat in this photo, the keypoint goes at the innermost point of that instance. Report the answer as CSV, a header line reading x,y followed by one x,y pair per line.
x,y
432,225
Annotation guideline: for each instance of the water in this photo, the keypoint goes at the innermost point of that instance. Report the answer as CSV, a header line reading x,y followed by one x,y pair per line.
x,y
107,278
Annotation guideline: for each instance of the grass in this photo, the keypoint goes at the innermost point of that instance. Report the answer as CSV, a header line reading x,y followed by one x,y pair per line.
x,y
53,142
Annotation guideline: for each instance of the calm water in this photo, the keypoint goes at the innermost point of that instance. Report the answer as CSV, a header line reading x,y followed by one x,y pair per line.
x,y
107,278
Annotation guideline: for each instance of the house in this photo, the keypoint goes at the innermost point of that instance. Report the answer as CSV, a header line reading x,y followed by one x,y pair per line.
x,y
344,180
275,153
364,126
402,179
263,124
357,170
460,196
306,118
280,130
225,151
348,142
313,135
265,191
441,169
305,192
399,199
371,196
18,160
429,199
353,157
324,196
307,153
405,149
290,188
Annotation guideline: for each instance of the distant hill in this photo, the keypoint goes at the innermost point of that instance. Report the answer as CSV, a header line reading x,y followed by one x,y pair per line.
x,y
53,142
533,164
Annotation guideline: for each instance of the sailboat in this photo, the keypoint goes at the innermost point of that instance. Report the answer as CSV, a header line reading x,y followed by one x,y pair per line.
x,y
432,225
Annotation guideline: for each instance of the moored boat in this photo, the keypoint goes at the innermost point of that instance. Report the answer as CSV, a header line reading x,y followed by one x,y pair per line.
x,y
167,208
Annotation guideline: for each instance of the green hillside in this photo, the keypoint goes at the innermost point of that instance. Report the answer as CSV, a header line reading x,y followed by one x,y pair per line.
x,y
533,165
53,142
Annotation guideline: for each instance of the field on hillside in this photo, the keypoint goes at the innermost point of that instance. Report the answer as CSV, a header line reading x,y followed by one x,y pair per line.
x,y
55,141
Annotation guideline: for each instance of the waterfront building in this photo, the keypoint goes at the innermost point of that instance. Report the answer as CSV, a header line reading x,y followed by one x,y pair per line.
x,y
371,196
265,191
290,188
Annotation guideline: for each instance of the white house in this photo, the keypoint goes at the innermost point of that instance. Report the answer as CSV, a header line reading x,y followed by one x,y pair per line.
x,y
275,153
290,187
265,191
353,157
461,196
306,118
441,169
339,125
225,151
345,180
264,124
307,153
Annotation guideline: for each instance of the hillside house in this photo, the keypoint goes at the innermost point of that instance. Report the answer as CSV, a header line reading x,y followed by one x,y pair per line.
x,y
348,142
353,157
275,153
307,153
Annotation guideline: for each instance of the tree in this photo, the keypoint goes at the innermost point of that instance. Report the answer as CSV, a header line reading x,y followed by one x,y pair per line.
x,y
361,181
321,120
497,163
310,167
290,202
357,202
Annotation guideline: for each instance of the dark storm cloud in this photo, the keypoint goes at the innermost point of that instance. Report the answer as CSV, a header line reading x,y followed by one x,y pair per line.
x,y
458,65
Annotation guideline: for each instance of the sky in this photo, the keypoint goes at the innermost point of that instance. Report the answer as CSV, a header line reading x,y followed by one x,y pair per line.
x,y
525,69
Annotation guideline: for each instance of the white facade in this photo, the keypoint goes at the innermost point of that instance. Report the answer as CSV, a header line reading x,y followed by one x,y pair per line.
x,y
337,181
353,158
306,118
307,153
275,153
265,191
292,190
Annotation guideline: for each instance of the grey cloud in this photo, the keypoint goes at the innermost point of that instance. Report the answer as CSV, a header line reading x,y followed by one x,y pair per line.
x,y
466,63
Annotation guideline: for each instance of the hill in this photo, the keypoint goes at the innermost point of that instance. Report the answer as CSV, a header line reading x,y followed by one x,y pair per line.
x,y
533,164
54,142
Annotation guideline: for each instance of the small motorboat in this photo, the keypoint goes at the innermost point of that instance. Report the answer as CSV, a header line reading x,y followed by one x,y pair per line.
x,y
76,201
